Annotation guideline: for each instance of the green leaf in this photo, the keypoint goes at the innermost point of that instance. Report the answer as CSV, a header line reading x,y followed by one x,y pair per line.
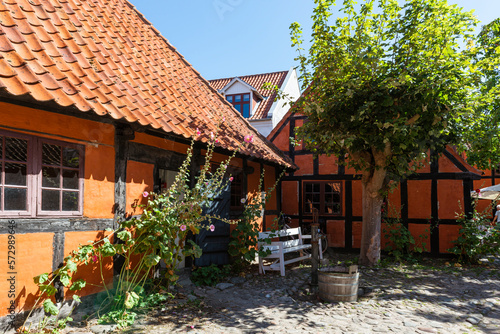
x,y
107,249
76,298
131,299
78,285
151,260
49,307
124,235
40,279
48,289
72,267
65,279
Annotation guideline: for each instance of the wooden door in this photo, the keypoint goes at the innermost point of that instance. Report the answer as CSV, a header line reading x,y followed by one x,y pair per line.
x,y
215,244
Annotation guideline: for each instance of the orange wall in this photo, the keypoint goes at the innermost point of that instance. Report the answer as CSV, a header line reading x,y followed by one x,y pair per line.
x,y
282,140
450,192
140,178
269,182
165,144
447,233
33,257
335,230
328,165
56,126
98,139
290,197
305,162
99,185
419,199
90,272
357,195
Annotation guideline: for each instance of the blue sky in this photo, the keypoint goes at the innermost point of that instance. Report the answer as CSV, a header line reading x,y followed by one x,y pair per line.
x,y
225,38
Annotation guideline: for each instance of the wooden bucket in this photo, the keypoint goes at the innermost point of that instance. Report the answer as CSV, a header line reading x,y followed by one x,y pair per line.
x,y
338,286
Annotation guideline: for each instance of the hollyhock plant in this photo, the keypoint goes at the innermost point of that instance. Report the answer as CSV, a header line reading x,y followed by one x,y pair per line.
x,y
183,228
145,194
249,139
212,227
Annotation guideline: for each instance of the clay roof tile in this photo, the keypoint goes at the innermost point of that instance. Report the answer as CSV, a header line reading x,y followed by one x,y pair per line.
x,y
103,56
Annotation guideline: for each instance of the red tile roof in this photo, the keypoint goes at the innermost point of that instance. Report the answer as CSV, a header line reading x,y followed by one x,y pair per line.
x,y
256,81
104,57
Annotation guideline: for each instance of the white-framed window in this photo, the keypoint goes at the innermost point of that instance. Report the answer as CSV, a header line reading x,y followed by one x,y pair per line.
x,y
40,177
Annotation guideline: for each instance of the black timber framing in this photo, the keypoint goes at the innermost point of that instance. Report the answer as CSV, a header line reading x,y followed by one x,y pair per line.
x,y
434,175
434,230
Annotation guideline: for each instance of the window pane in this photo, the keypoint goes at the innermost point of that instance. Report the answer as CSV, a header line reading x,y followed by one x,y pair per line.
x,y
51,154
70,201
246,110
238,107
70,179
15,199
15,174
70,157
50,200
332,187
246,97
229,98
309,187
237,98
16,149
316,187
50,177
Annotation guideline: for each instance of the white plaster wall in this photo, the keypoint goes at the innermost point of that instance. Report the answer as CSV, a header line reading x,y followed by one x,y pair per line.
x,y
263,126
237,88
291,89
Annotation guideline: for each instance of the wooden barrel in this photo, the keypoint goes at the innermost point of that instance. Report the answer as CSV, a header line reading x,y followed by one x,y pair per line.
x,y
338,287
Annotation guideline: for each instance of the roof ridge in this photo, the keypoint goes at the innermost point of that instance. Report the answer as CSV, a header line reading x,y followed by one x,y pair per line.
x,y
248,75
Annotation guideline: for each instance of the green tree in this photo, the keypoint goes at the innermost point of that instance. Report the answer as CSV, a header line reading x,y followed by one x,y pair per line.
x,y
385,85
481,137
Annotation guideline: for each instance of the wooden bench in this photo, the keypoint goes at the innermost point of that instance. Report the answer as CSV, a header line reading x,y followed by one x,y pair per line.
x,y
278,249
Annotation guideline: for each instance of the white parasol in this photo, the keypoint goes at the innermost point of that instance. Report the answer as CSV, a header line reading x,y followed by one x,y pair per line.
x,y
491,193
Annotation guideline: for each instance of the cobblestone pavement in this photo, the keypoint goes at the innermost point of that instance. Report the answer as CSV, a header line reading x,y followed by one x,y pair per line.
x,y
431,298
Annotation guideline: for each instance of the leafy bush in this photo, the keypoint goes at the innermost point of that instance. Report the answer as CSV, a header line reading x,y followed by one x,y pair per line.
x,y
402,245
159,234
210,275
244,238
477,238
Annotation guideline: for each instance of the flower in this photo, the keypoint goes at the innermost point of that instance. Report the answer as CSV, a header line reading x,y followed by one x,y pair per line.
x,y
217,140
231,179
198,132
212,227
249,139
94,258
212,135
183,228
243,201
145,194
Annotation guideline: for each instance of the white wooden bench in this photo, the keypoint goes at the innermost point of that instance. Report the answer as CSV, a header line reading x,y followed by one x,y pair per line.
x,y
278,249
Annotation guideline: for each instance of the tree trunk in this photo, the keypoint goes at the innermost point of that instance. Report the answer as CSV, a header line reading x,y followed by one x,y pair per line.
x,y
374,183
372,214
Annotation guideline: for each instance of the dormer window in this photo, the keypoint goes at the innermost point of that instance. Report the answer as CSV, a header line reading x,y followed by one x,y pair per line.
x,y
241,102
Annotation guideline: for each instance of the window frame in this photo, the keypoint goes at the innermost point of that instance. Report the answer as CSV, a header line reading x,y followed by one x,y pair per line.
x,y
241,103
322,210
34,178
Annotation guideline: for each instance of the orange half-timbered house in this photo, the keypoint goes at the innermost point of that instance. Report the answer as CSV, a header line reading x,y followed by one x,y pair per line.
x,y
96,107
427,202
